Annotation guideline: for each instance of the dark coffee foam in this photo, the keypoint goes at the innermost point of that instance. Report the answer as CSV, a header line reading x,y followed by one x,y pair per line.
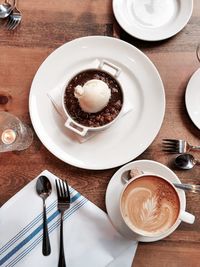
x,y
150,204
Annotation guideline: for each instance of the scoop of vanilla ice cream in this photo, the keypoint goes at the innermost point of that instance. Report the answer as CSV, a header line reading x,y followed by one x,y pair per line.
x,y
93,96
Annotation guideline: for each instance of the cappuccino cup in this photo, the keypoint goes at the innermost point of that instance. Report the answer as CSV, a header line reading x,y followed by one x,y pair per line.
x,y
151,207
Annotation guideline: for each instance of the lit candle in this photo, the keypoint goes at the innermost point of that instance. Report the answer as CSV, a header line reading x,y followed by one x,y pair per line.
x,y
8,136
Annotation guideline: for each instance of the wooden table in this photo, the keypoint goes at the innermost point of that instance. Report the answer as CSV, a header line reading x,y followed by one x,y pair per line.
x,y
48,24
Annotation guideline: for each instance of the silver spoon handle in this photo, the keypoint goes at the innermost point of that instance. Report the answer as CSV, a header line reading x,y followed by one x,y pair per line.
x,y
46,248
195,147
188,187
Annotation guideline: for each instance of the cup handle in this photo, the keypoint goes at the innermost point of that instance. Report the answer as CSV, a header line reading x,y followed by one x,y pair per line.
x,y
187,217
105,62
75,128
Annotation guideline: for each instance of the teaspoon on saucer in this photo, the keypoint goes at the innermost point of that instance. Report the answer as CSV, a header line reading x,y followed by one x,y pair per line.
x,y
43,188
129,174
188,187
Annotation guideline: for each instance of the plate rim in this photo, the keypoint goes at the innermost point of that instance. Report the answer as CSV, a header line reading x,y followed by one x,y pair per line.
x,y
190,11
119,162
188,88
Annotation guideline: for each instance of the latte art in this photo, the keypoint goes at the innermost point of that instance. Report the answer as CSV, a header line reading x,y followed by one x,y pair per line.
x,y
150,204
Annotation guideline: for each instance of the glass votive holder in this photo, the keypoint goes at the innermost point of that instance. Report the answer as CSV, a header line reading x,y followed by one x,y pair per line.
x,y
14,135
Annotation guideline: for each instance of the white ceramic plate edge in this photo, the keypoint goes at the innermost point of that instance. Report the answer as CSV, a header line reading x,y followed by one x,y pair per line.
x,y
122,161
187,93
152,39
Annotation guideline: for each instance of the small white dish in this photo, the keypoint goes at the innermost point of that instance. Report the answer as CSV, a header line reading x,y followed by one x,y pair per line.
x,y
131,134
192,96
78,128
152,20
116,185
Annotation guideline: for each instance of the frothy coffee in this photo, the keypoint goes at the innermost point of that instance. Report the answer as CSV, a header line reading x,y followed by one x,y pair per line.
x,y
150,204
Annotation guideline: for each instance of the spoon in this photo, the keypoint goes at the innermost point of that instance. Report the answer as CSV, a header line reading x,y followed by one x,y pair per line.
x,y
5,10
194,188
185,161
43,188
129,174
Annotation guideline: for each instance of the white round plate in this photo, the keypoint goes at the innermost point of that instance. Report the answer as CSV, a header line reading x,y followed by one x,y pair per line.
x,y
116,185
152,20
131,134
192,96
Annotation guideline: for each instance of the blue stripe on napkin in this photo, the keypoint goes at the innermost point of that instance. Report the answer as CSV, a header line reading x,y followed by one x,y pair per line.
x,y
39,239
36,231
29,226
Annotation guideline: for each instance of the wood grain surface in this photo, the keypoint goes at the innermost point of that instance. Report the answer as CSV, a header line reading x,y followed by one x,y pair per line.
x,y
48,24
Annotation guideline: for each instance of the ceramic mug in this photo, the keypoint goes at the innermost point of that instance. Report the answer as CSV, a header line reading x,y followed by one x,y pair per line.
x,y
146,206
81,129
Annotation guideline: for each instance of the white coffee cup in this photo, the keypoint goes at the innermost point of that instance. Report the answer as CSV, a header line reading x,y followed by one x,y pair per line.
x,y
182,215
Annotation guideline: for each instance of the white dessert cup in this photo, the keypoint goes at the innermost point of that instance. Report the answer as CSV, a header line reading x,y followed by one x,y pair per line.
x,y
80,129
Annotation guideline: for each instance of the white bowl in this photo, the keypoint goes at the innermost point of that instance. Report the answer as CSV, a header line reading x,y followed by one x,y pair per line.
x,y
82,129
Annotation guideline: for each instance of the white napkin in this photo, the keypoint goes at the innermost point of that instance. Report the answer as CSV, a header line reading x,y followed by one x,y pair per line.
x,y
89,237
55,95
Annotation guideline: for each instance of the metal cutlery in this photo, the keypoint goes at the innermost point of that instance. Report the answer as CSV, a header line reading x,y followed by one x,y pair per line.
x,y
127,175
43,188
63,195
5,9
188,187
185,161
177,146
14,18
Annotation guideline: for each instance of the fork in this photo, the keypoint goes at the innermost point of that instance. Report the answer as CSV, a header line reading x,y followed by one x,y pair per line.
x,y
63,204
178,146
14,18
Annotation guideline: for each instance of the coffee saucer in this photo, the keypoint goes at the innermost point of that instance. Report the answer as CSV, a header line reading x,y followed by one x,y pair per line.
x,y
192,96
116,185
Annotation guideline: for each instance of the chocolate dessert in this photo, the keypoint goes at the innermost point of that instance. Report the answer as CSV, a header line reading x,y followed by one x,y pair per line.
x,y
93,118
